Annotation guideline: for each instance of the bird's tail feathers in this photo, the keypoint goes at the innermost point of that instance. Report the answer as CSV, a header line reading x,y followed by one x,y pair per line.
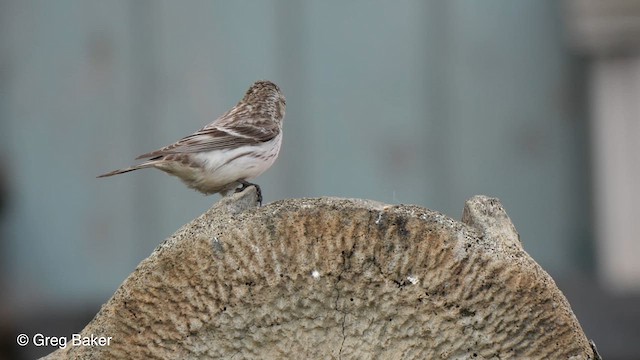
x,y
131,168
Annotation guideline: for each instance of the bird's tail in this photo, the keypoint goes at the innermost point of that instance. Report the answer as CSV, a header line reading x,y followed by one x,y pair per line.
x,y
131,168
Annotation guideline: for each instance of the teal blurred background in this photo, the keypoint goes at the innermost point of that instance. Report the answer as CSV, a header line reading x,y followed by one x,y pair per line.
x,y
408,102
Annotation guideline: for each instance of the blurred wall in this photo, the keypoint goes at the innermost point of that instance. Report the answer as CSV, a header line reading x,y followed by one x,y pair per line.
x,y
424,102
609,34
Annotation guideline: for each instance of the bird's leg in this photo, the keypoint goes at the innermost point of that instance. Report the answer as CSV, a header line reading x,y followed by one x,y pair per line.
x,y
246,184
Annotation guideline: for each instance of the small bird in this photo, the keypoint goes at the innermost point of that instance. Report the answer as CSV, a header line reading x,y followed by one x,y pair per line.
x,y
238,146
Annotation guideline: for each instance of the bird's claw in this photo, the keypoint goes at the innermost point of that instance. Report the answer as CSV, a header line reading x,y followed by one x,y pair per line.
x,y
246,184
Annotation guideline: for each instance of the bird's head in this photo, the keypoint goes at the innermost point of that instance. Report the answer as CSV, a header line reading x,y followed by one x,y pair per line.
x,y
266,97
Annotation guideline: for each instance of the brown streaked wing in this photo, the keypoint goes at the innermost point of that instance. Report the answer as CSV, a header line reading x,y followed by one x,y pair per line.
x,y
212,138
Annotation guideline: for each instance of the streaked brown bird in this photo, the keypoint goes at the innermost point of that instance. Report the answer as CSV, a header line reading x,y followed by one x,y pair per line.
x,y
238,146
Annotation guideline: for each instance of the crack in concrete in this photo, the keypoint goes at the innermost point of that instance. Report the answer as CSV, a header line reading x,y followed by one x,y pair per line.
x,y
345,266
344,336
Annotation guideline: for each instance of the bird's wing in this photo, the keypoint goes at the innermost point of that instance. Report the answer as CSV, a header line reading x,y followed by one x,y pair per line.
x,y
221,135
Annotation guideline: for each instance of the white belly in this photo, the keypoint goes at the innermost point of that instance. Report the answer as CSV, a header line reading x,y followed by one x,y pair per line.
x,y
221,169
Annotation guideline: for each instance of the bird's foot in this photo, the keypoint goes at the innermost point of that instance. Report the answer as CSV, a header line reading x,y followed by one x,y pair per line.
x,y
246,184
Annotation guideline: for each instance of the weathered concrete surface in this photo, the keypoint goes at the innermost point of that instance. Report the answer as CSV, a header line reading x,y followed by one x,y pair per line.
x,y
336,278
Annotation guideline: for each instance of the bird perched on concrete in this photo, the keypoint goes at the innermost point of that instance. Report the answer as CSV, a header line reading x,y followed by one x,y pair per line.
x,y
238,146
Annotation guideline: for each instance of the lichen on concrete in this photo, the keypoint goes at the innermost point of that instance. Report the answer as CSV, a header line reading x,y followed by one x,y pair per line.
x,y
332,278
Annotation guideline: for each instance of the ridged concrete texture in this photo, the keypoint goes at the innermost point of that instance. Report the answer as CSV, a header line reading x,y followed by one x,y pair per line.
x,y
337,278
